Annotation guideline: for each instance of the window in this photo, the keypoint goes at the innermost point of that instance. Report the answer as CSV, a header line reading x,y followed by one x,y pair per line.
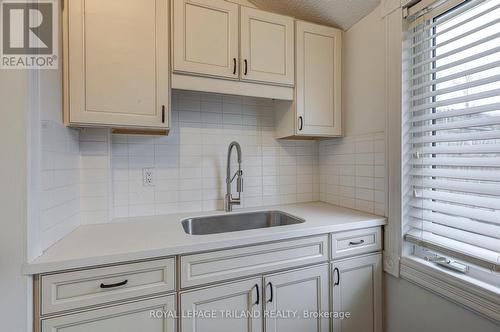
x,y
451,140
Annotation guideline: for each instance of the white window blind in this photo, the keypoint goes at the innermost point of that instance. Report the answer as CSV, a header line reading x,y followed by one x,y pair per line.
x,y
452,133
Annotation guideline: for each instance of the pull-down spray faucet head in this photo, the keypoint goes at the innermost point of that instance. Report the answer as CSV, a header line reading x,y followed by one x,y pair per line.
x,y
229,200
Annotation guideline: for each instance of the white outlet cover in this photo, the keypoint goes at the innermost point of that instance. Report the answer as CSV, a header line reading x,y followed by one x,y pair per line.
x,y
148,177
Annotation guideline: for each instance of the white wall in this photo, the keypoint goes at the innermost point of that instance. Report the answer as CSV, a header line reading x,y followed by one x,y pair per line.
x,y
14,287
410,308
363,86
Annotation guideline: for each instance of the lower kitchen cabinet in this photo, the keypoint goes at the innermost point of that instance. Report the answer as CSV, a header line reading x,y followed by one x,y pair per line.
x,y
301,291
228,303
357,289
129,317
280,304
283,286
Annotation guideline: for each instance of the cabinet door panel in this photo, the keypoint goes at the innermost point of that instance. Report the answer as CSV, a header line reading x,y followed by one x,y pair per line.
x,y
298,290
238,297
357,287
131,317
206,37
318,86
117,62
267,47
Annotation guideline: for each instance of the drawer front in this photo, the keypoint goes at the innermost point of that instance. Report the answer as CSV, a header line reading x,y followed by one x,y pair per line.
x,y
129,317
228,264
79,289
356,242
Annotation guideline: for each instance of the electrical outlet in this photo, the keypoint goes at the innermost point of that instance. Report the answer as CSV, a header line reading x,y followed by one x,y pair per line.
x,y
147,177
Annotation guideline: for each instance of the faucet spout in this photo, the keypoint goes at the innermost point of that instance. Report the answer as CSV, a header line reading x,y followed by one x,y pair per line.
x,y
229,201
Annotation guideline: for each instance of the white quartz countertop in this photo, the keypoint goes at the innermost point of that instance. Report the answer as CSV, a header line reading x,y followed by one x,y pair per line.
x,y
130,239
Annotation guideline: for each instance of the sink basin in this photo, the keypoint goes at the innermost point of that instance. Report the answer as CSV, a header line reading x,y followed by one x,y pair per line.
x,y
238,222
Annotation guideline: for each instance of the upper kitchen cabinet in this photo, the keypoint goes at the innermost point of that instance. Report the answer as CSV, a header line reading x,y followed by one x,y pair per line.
x,y
205,37
316,110
116,63
266,47
222,47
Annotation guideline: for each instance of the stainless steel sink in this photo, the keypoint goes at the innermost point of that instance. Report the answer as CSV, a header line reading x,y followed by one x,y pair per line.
x,y
238,222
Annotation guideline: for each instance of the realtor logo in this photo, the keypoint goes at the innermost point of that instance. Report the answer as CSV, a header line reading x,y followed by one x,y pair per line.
x,y
29,34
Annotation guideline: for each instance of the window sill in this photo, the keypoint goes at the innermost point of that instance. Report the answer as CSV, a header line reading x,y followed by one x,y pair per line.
x,y
475,295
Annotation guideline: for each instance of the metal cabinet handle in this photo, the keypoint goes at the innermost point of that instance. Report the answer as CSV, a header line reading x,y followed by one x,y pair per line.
x,y
336,277
270,284
357,243
246,67
301,122
258,294
118,284
162,113
234,66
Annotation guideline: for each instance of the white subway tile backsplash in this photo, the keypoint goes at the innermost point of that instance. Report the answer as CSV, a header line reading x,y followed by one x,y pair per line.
x,y
352,172
379,209
97,153
59,230
379,158
141,210
365,182
379,171
364,147
364,170
59,199
189,165
379,184
346,202
364,205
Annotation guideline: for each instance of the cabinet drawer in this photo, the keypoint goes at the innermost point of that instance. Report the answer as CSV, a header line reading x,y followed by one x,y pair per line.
x,y
220,265
356,242
129,317
72,290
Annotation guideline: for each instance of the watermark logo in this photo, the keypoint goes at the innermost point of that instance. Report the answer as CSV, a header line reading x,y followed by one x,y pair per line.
x,y
29,34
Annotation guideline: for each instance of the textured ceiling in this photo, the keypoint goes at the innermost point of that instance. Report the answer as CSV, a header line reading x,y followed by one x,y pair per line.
x,y
340,13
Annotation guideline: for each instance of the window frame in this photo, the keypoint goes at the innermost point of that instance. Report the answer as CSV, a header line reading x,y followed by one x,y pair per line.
x,y
474,294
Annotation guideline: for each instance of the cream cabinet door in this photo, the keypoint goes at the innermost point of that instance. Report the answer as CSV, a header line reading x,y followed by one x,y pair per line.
x,y
205,37
145,316
298,291
267,47
117,63
357,289
318,86
219,308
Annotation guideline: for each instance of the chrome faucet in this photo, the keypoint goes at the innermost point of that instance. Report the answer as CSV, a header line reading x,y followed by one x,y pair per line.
x,y
229,201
